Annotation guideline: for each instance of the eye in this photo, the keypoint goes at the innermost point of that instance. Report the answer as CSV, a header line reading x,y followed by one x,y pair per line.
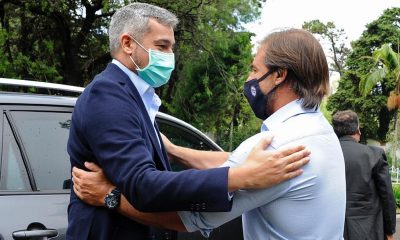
x,y
159,47
162,47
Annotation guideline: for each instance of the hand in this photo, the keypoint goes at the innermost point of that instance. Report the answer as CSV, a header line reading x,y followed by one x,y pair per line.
x,y
168,146
167,143
91,187
389,237
264,169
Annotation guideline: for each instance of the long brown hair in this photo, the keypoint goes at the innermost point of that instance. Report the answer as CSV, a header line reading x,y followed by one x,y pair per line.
x,y
301,54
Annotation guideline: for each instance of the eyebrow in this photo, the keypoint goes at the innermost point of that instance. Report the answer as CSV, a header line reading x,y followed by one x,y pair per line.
x,y
164,42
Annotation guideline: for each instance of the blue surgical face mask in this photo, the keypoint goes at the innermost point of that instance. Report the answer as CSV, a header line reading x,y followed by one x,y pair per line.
x,y
257,99
159,69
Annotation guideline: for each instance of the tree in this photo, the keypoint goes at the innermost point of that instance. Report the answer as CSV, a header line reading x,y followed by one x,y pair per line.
x,y
374,115
66,42
212,97
387,65
213,62
63,36
335,38
387,68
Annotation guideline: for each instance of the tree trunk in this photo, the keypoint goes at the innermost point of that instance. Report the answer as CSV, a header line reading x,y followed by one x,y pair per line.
x,y
384,120
71,66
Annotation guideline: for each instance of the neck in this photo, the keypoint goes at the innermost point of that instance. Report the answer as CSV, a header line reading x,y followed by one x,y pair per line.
x,y
356,137
283,96
125,60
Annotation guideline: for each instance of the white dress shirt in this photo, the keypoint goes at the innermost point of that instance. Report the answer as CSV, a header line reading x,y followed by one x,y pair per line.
x,y
150,99
310,206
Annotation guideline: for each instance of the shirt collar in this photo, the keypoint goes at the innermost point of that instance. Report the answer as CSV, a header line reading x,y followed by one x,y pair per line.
x,y
139,83
284,113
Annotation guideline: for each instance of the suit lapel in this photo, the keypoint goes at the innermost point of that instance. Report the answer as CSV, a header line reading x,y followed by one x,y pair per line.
x,y
165,156
149,127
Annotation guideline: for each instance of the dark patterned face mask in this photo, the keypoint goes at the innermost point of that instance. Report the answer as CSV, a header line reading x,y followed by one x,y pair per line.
x,y
256,98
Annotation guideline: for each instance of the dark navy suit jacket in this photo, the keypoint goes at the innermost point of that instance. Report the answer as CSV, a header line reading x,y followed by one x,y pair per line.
x,y
111,127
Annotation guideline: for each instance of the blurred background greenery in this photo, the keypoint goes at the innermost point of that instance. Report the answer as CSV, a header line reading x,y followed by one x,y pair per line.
x,y
66,42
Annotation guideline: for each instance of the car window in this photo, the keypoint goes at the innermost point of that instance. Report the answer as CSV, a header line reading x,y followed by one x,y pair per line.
x,y
184,137
44,136
13,175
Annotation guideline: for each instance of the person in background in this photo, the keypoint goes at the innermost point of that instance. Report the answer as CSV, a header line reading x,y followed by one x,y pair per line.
x,y
289,78
370,206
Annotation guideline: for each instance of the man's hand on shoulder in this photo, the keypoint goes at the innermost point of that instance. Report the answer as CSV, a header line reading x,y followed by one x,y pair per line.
x,y
264,168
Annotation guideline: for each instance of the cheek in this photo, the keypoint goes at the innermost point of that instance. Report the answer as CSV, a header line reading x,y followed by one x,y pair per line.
x,y
141,58
266,85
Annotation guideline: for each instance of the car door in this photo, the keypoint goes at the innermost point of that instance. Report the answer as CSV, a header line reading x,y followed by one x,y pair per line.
x,y
34,172
183,134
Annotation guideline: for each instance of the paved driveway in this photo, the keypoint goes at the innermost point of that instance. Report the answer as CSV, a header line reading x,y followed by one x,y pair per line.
x,y
397,234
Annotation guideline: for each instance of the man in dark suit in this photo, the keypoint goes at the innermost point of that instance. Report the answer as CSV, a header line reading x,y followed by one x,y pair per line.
x,y
113,126
370,207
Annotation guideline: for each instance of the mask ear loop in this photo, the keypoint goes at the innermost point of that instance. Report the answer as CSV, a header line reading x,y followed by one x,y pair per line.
x,y
139,44
265,75
137,67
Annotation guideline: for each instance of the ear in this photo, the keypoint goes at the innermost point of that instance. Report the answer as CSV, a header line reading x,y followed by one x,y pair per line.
x,y
280,76
127,44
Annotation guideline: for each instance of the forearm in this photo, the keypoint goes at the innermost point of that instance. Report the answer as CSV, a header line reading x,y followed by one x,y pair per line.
x,y
198,159
168,220
244,201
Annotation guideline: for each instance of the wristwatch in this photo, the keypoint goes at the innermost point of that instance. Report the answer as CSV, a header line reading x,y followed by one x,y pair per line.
x,y
112,200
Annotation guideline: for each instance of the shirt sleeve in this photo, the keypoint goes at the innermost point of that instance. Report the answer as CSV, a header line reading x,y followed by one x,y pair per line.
x,y
243,201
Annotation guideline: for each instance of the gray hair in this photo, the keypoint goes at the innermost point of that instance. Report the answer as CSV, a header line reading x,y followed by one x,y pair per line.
x,y
133,19
345,123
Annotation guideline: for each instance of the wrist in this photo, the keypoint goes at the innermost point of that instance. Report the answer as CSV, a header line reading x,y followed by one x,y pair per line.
x,y
237,179
102,195
113,199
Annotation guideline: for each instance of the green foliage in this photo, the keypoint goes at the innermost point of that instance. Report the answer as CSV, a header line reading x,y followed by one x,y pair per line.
x,y
369,81
21,64
211,96
396,193
55,41
66,42
373,113
325,111
4,62
386,62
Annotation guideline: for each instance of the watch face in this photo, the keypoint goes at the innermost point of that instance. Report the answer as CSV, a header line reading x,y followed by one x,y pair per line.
x,y
112,200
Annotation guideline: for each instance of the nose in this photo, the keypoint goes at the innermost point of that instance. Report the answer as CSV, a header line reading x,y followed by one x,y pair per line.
x,y
250,77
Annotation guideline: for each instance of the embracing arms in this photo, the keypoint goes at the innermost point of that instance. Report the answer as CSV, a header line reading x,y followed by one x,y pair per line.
x,y
283,165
